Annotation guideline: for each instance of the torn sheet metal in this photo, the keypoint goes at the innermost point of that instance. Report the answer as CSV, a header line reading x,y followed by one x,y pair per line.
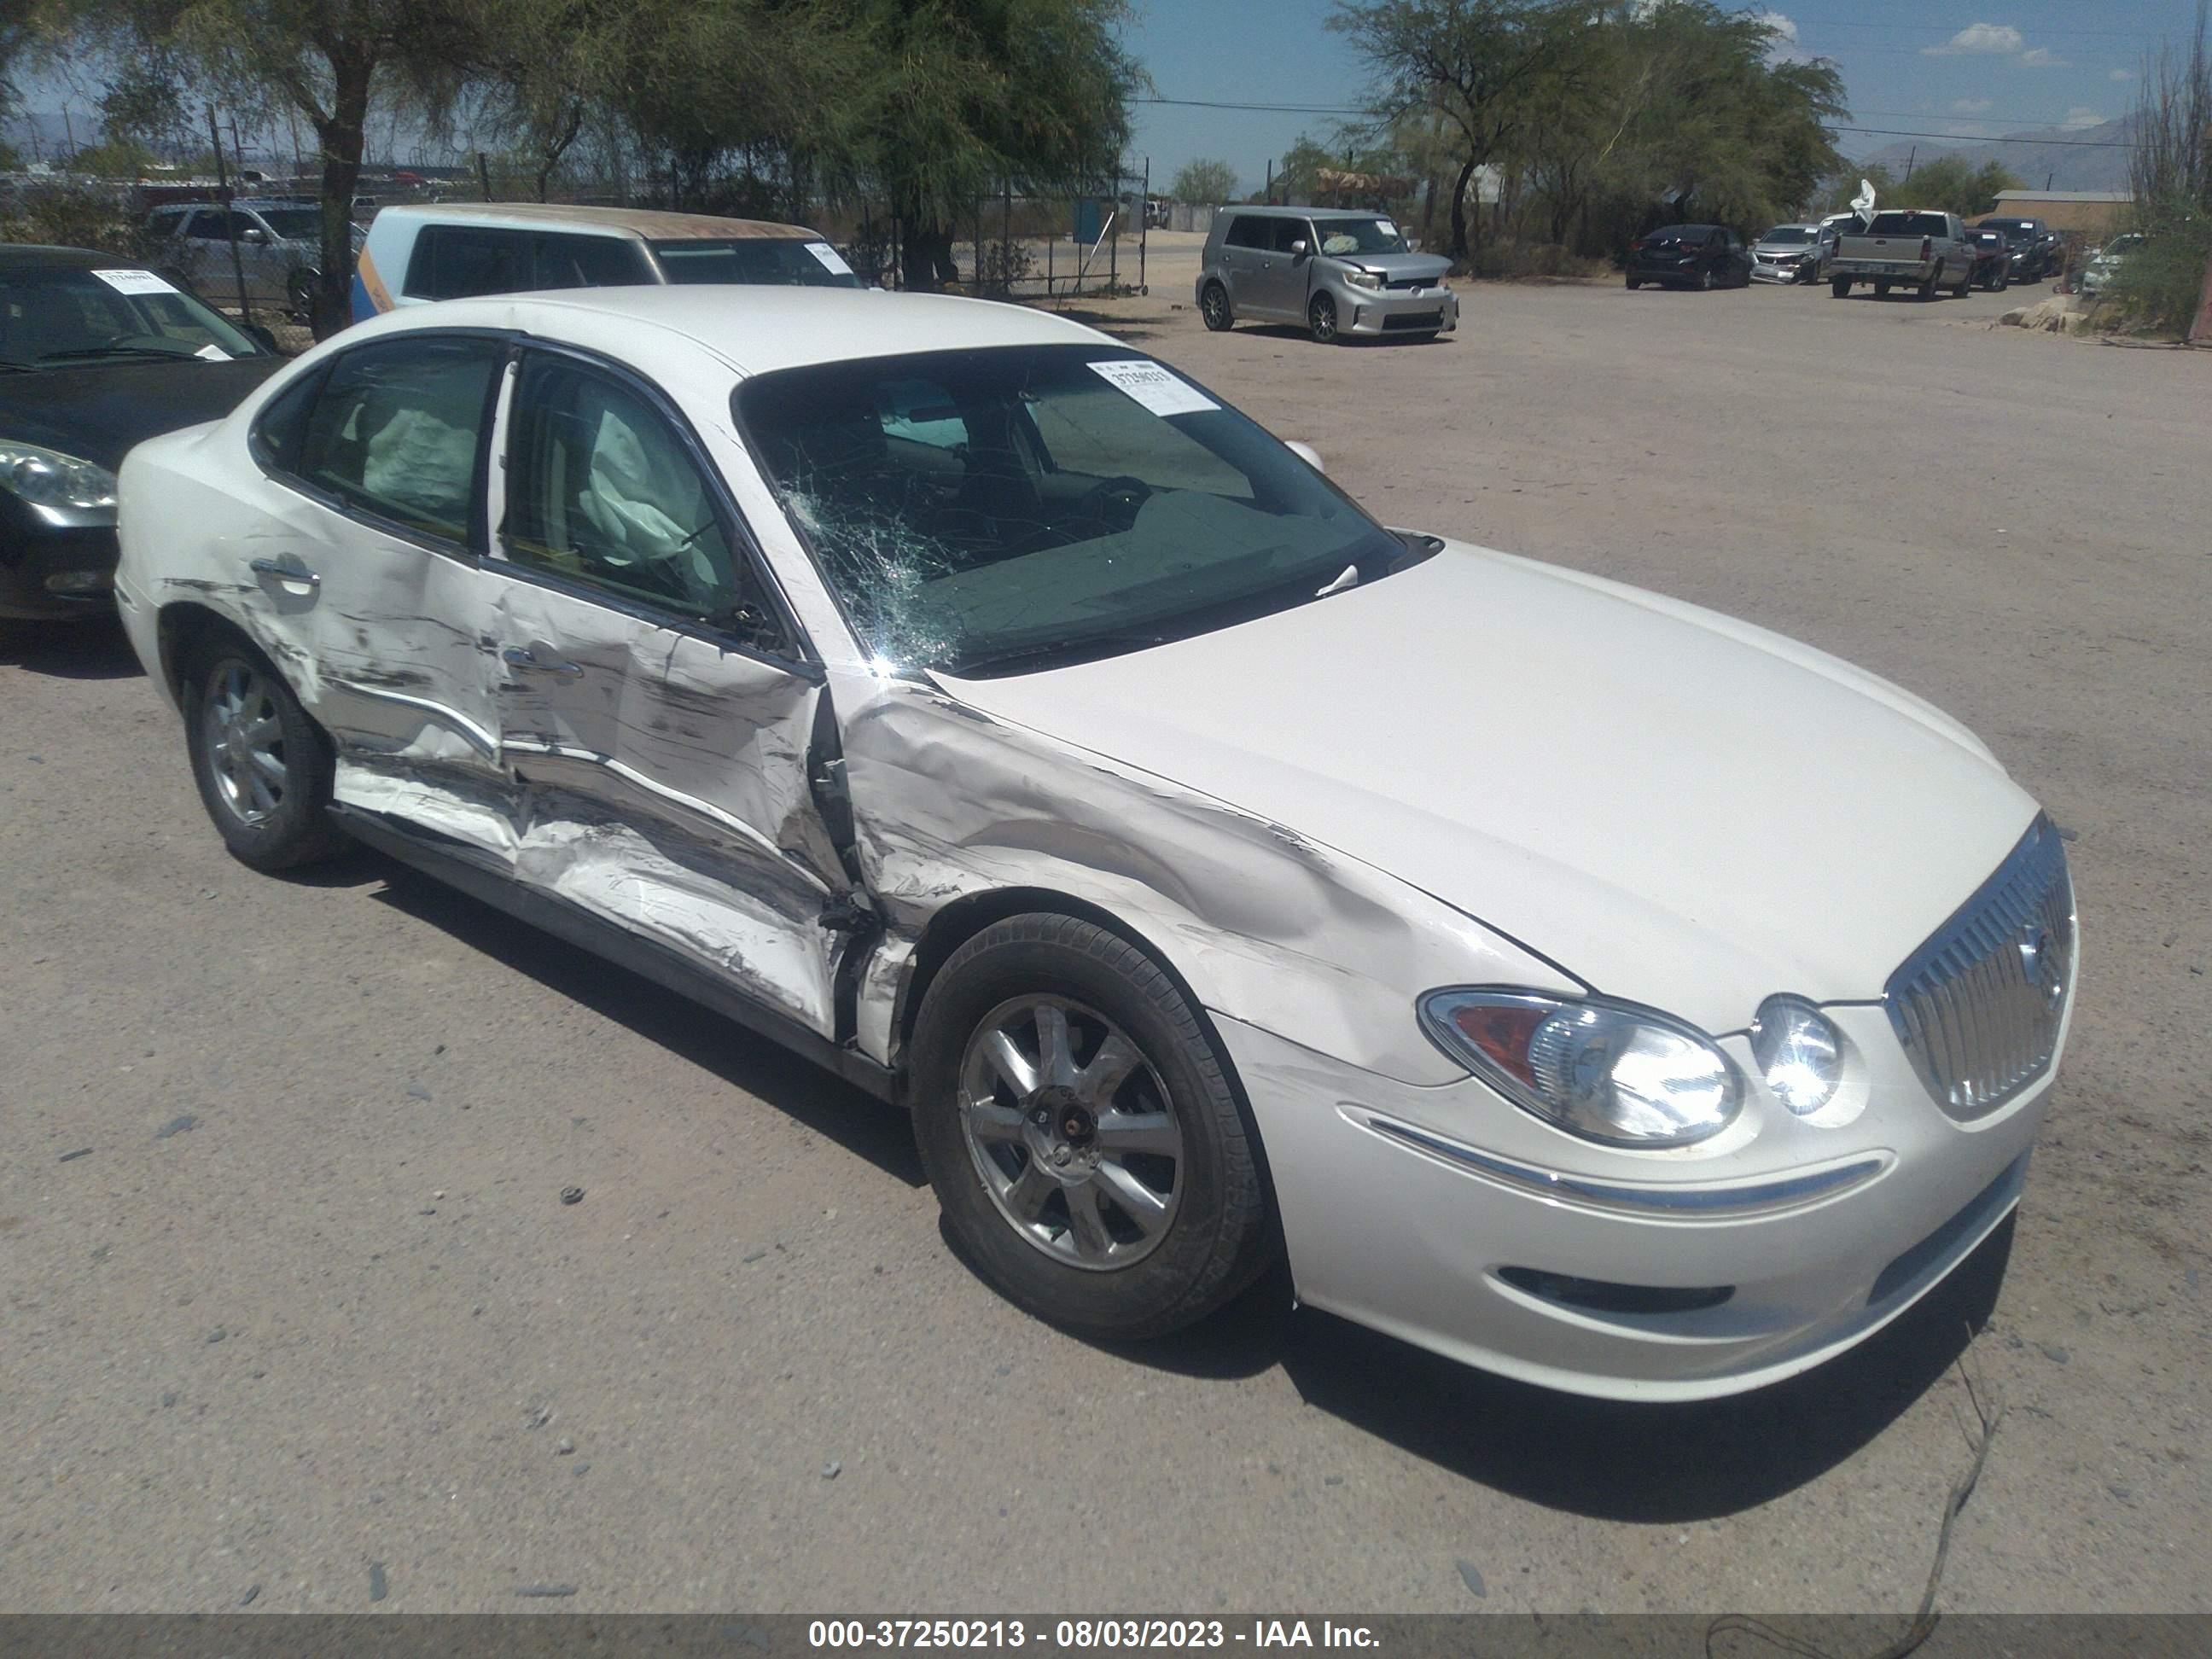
x,y
1261,923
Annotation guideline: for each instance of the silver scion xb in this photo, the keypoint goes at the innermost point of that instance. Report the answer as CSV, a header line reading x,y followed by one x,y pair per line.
x,y
1335,270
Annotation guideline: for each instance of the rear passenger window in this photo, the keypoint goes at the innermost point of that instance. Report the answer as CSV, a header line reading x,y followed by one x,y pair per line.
x,y
281,425
1246,231
457,262
395,429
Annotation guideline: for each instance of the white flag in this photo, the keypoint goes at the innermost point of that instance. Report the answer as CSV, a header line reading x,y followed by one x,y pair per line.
x,y
1862,203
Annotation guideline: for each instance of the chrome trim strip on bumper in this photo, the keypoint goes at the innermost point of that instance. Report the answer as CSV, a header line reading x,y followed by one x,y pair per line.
x,y
1679,1201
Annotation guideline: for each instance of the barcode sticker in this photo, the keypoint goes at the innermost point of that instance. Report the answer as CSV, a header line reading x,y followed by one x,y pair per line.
x,y
1154,387
134,282
830,258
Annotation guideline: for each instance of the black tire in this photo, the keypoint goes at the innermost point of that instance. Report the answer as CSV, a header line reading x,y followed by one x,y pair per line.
x,y
1635,283
1927,286
286,822
1320,319
1840,287
300,295
1881,289
1966,285
1706,280
2003,282
1221,1234
1214,307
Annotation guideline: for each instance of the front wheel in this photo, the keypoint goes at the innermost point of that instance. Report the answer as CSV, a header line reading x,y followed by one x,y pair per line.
x,y
1706,280
263,767
1321,318
1635,283
1881,289
1213,307
1840,287
1089,1152
2003,282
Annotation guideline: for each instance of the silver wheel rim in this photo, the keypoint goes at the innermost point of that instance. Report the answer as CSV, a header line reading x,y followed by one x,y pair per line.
x,y
1324,318
1216,307
1071,1132
244,738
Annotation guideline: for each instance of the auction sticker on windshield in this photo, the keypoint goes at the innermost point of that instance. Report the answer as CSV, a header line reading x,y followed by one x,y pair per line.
x,y
830,260
1154,387
135,281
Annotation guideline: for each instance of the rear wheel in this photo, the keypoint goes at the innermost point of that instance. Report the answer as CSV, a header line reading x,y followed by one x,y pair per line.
x,y
1213,307
1635,283
1926,290
1321,318
263,767
1840,287
1090,1154
1965,283
299,295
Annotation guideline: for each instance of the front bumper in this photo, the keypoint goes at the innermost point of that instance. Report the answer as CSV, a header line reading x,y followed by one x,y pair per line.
x,y
1783,270
1820,1235
49,574
1397,311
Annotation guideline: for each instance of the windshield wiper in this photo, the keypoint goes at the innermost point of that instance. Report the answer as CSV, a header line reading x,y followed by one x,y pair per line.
x,y
1073,644
81,353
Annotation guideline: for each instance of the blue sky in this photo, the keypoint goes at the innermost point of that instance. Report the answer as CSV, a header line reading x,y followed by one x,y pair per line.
x,y
1971,71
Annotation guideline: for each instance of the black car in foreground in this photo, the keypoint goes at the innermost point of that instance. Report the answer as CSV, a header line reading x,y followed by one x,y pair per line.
x,y
1689,255
95,354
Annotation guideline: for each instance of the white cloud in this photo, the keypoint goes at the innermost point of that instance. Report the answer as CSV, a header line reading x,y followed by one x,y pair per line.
x,y
2044,58
1980,40
2120,75
1782,45
2081,116
1969,105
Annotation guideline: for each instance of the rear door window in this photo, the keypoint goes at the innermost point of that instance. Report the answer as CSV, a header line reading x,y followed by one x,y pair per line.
x,y
396,430
1248,230
1290,231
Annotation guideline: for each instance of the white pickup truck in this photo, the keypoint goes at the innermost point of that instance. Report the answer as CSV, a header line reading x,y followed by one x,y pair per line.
x,y
1905,248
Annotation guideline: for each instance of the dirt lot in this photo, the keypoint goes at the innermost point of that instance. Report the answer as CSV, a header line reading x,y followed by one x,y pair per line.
x,y
311,1317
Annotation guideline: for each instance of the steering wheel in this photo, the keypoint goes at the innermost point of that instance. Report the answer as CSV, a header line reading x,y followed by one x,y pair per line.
x,y
1116,502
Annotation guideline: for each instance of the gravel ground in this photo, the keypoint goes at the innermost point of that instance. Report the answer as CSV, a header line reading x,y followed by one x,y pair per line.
x,y
293,1302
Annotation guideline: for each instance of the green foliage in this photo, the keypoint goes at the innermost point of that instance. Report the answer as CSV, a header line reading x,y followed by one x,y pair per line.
x,y
70,216
1205,182
1949,185
1602,121
2158,284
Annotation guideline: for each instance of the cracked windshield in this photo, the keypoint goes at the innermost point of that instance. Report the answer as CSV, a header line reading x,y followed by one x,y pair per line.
x,y
999,510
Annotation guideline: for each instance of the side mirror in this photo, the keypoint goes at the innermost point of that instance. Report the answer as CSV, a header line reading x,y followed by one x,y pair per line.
x,y
253,236
261,336
1298,248
1307,454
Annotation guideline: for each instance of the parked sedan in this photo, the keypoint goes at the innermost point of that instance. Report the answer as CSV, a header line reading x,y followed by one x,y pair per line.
x,y
2029,243
1788,254
2105,263
1992,260
1690,256
996,715
95,354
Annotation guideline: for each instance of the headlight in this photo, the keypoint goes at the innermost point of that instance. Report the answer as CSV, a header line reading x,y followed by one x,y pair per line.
x,y
1800,1052
47,477
1608,1071
1358,278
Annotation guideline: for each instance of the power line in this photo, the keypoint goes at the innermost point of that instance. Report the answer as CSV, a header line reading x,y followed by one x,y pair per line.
x,y
1969,138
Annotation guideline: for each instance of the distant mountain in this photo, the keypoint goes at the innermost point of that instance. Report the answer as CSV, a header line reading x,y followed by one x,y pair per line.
x,y
2045,158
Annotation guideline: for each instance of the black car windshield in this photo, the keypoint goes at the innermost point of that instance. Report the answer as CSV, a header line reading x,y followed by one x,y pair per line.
x,y
998,509
759,260
1786,235
1341,236
54,314
1679,234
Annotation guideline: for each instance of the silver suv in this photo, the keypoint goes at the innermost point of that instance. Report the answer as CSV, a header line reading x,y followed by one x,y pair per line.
x,y
280,248
1335,270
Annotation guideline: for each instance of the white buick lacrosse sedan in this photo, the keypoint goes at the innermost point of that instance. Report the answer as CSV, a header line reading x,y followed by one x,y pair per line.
x,y
1571,981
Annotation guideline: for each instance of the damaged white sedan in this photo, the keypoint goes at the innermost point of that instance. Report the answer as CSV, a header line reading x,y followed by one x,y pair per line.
x,y
1571,981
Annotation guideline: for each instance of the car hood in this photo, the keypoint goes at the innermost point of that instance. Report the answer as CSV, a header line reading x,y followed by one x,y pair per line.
x,y
1785,247
97,411
1401,267
1673,807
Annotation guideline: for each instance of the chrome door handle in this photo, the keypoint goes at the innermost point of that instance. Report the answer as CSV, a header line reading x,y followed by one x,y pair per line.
x,y
276,571
527,659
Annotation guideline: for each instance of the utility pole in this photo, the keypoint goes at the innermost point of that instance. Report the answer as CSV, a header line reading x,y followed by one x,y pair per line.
x,y
229,215
1911,156
1269,195
483,174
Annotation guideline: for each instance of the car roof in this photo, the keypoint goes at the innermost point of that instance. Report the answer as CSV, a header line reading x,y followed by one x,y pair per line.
x,y
656,223
25,255
756,329
1277,210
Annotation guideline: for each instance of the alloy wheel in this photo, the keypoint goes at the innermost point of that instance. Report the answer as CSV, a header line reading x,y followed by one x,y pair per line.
x,y
245,737
1071,1132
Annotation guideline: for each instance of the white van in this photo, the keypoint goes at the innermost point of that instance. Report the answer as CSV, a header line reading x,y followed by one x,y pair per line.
x,y
457,250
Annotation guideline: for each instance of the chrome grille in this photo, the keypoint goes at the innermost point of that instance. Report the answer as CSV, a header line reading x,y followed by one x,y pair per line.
x,y
1978,1008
